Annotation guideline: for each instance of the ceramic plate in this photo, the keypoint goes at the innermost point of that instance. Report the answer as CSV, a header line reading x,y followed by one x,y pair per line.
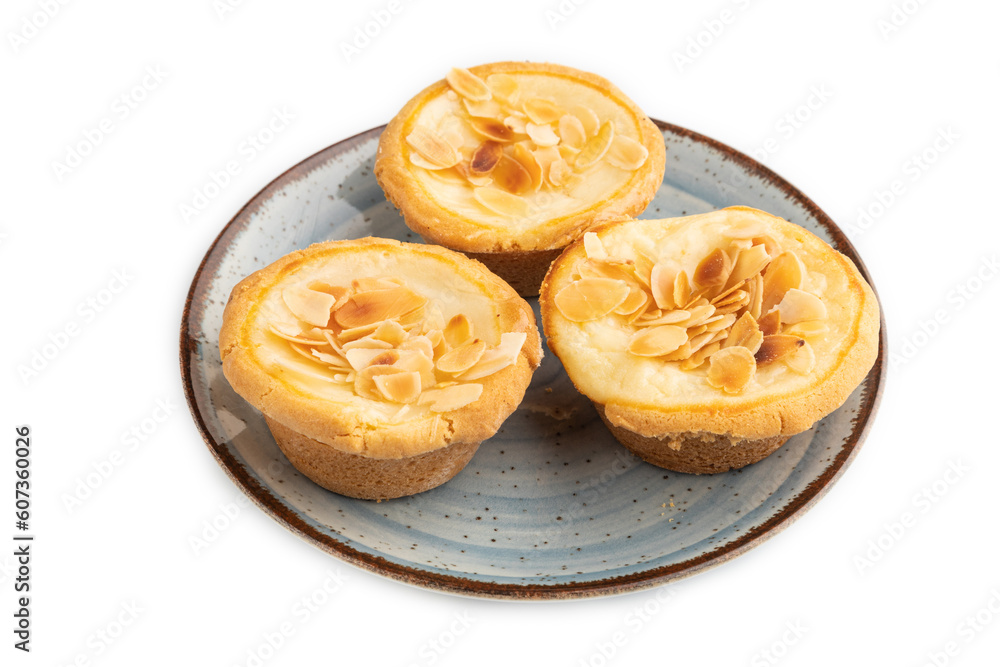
x,y
552,506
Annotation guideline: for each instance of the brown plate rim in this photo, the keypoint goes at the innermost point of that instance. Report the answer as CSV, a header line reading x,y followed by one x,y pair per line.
x,y
794,509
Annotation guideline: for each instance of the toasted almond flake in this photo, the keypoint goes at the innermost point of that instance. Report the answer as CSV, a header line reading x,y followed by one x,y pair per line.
x,y
783,273
756,296
338,292
347,335
724,296
399,387
771,244
517,122
367,343
461,358
309,305
468,85
543,135
304,351
735,303
657,341
682,289
420,344
422,162
511,176
526,159
770,324
661,285
800,306
596,147
500,357
485,158
334,360
293,334
362,357
701,340
699,315
749,263
364,381
501,202
627,153
368,283
803,360
635,300
367,308
503,86
492,129
593,246
658,317
478,181
452,397
713,270
542,111
777,347
432,147
390,332
696,331
607,268
699,357
560,173
805,329
332,342
418,362
731,369
571,131
591,298
459,330
721,323
680,354
485,109
591,123
643,268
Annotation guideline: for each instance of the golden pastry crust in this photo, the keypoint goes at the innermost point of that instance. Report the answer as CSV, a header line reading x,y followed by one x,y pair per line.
x,y
781,403
437,223
348,425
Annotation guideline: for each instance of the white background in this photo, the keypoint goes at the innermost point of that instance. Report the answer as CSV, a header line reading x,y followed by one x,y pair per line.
x,y
885,97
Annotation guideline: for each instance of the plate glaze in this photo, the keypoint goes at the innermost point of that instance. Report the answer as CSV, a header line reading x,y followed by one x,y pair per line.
x,y
552,506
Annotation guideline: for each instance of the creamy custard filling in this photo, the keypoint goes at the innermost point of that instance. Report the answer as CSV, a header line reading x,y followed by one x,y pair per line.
x,y
516,150
392,347
723,301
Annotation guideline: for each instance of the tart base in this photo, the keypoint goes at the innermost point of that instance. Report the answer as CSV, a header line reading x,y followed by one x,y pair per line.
x,y
696,452
524,271
370,478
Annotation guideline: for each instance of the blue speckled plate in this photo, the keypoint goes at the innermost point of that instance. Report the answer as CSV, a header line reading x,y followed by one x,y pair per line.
x,y
552,506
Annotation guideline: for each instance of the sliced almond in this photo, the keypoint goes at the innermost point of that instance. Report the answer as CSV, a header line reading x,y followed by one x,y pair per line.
x,y
607,268
451,398
458,331
713,270
596,147
485,158
731,369
682,289
571,131
432,147
785,272
721,323
347,335
418,362
809,329
503,86
749,263
627,153
366,308
362,357
680,354
527,160
658,317
699,357
502,202
493,129
483,108
770,324
803,360
293,334
468,85
461,358
399,387
770,244
542,111
364,381
543,135
368,283
309,305
661,284
591,123
699,315
657,341
799,306
635,300
511,176
777,347
517,122
756,290
391,332
591,298
593,246
367,343
498,358
560,174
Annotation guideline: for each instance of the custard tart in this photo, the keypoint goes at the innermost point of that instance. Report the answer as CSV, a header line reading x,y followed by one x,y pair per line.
x,y
510,162
379,366
706,341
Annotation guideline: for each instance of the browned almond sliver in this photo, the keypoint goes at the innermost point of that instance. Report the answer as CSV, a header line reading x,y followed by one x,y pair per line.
x,y
682,289
503,86
309,305
699,357
591,298
635,300
468,85
485,158
432,147
777,347
452,397
770,324
527,160
749,263
399,387
657,341
596,147
542,111
458,331
501,202
713,270
594,246
783,273
731,369
744,330
366,308
461,358
511,176
493,129
627,153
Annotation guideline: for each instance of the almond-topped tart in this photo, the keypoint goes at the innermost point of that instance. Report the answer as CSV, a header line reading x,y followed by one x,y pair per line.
x,y
510,162
705,342
379,366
